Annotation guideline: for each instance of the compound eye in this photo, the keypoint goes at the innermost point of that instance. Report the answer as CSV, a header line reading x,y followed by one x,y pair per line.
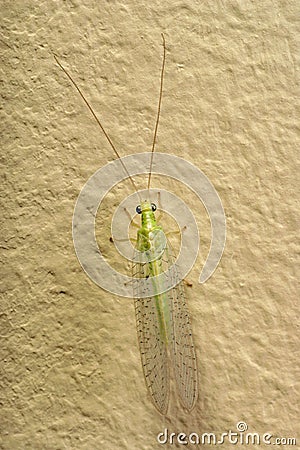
x,y
153,206
138,209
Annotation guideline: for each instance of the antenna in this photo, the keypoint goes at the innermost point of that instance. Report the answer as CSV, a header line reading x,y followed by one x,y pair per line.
x,y
158,108
98,122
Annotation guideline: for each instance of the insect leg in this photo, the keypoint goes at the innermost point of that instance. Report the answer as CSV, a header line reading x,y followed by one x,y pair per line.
x,y
168,233
135,224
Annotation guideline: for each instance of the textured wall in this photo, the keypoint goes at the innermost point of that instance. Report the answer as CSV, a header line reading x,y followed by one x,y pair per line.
x,y
70,372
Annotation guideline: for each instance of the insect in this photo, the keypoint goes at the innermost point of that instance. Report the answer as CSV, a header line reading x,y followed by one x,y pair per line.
x,y
162,318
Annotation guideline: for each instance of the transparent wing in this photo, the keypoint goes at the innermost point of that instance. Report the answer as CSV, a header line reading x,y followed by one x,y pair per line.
x,y
155,354
182,350
153,348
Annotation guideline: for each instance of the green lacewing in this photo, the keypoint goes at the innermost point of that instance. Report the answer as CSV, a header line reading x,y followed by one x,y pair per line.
x,y
162,319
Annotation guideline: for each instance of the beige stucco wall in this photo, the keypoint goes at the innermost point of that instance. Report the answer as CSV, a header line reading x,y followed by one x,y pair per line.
x,y
70,371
